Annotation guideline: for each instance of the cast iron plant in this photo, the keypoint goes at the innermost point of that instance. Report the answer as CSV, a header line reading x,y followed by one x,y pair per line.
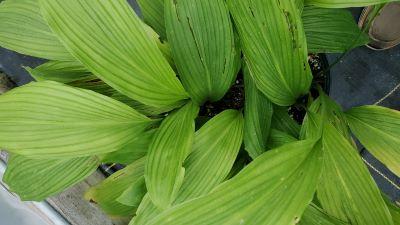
x,y
118,89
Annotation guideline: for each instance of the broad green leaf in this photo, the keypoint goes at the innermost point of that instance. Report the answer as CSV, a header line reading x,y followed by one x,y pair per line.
x,y
258,112
274,46
60,71
216,146
49,119
331,112
282,121
106,193
331,30
311,127
274,189
344,3
346,189
134,194
146,211
37,179
22,29
316,216
161,44
111,41
378,129
278,138
169,148
131,152
153,15
203,46
140,107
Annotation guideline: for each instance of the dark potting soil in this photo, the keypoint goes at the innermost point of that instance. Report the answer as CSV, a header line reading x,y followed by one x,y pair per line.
x,y
235,97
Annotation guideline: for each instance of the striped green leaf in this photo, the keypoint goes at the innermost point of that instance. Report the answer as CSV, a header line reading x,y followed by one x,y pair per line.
x,y
169,148
282,121
106,193
134,194
278,138
331,30
37,179
378,129
133,151
344,3
49,119
203,46
274,46
110,40
22,29
274,189
215,149
153,15
347,190
316,216
60,71
258,112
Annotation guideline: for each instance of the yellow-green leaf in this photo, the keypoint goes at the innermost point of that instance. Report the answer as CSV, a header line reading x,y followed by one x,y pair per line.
x,y
106,193
37,179
60,71
344,3
316,216
274,189
153,15
169,148
202,41
258,112
331,30
347,190
215,149
111,41
274,46
278,138
49,119
378,129
22,29
133,151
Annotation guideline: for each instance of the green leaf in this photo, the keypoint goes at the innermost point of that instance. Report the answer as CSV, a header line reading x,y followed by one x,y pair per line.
x,y
106,193
153,15
216,146
258,112
344,3
60,71
378,129
140,107
274,189
169,148
274,46
49,119
316,216
331,30
134,194
22,29
133,151
37,179
111,41
347,190
278,138
203,46
283,122
146,211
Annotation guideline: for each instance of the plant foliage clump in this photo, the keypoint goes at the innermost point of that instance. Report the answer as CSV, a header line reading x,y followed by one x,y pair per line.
x,y
119,88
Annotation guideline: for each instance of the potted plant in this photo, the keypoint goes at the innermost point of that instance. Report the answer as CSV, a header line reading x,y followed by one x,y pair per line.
x,y
116,91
